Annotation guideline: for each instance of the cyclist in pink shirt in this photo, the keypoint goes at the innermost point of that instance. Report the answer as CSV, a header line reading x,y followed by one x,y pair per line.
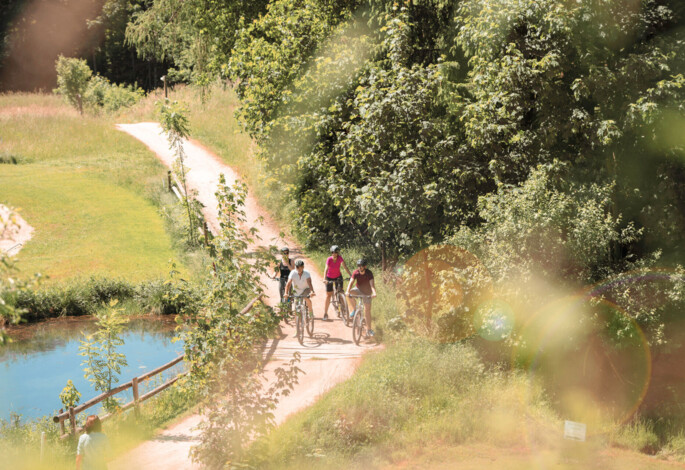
x,y
332,272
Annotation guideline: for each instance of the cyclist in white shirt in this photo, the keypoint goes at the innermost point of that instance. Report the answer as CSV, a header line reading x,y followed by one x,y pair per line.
x,y
301,283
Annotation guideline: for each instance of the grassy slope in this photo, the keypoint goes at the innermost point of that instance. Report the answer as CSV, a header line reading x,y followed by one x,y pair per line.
x,y
86,188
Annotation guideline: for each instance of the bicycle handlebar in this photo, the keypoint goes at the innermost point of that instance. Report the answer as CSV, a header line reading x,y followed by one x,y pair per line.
x,y
362,296
334,281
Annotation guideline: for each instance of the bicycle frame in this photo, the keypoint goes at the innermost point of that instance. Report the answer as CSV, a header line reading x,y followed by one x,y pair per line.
x,y
340,309
304,319
359,326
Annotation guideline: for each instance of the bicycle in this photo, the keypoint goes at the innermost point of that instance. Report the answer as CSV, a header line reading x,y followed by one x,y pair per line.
x,y
339,302
284,304
305,318
359,322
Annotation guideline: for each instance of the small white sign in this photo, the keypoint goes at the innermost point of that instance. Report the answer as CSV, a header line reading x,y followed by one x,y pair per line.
x,y
575,431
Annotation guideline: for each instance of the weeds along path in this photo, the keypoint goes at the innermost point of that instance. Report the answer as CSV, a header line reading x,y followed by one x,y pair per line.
x,y
327,359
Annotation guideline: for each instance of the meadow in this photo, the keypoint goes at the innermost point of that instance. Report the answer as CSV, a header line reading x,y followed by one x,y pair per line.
x,y
92,193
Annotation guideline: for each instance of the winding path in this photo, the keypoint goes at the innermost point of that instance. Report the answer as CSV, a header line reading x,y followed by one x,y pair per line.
x,y
327,359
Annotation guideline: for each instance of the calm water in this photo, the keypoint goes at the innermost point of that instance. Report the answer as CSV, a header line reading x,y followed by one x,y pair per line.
x,y
36,366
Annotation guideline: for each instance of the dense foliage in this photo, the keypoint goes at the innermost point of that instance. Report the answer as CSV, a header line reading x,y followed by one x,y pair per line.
x,y
390,130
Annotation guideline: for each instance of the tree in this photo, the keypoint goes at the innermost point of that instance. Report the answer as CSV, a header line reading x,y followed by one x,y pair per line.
x,y
174,121
103,362
73,76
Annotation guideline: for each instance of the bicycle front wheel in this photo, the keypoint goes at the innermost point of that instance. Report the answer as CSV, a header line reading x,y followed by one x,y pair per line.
x,y
310,321
300,325
358,326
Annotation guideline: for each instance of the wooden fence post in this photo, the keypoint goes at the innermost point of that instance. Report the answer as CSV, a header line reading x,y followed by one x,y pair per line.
x,y
134,383
168,178
72,420
206,230
61,423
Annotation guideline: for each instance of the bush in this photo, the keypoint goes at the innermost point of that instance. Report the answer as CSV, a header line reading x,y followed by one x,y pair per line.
x,y
637,435
73,76
81,88
86,297
102,94
121,96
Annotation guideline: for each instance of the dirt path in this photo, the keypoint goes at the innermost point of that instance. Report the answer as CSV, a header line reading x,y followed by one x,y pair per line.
x,y
327,359
14,231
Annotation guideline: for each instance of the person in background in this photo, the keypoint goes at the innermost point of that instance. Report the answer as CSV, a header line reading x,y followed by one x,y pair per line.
x,y
332,273
284,267
93,446
365,285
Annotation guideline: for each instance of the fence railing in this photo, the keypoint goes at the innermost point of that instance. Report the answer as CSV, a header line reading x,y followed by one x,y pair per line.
x,y
71,413
176,188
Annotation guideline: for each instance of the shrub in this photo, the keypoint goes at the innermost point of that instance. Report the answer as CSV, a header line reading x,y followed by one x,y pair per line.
x,y
121,96
80,87
73,76
637,435
86,297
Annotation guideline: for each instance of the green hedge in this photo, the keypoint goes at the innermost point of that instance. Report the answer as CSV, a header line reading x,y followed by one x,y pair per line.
x,y
85,297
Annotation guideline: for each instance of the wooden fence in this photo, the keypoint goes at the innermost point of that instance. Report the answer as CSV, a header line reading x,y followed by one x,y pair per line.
x,y
71,413
177,189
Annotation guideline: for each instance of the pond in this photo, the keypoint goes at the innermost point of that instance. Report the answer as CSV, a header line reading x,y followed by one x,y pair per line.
x,y
35,367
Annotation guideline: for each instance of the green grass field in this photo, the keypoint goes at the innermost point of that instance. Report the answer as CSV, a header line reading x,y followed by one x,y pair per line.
x,y
86,188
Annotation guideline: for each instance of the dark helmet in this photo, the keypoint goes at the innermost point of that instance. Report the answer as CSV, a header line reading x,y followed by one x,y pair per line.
x,y
299,263
335,249
285,249
361,262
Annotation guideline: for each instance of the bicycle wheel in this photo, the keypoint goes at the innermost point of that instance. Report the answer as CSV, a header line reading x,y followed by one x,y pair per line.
x,y
342,305
300,325
310,321
359,325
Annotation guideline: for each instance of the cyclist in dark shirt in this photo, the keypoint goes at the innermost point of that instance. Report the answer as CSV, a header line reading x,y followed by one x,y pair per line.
x,y
364,286
283,268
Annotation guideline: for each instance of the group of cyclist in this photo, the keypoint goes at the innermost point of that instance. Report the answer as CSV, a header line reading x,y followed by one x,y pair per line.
x,y
293,277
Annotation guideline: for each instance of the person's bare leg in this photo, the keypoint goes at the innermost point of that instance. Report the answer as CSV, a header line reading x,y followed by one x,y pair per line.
x,y
328,302
351,303
308,301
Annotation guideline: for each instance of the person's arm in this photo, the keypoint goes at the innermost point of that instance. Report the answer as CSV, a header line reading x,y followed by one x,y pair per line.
x,y
325,271
372,283
78,462
286,291
311,287
350,285
346,268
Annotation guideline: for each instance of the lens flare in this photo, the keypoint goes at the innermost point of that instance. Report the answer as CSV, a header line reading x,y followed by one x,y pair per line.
x,y
494,320
592,357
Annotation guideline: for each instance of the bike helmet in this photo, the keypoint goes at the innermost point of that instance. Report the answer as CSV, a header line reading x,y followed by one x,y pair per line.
x,y
285,249
361,262
335,249
299,263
